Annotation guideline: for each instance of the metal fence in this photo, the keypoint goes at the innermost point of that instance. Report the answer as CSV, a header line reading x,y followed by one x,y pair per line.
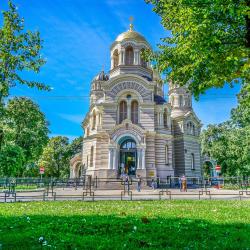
x,y
88,188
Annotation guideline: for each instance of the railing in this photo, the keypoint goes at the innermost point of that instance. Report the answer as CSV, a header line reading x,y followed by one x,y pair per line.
x,y
89,188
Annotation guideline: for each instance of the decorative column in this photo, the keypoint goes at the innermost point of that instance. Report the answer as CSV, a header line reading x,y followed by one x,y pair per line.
x,y
169,121
136,59
112,63
91,122
110,158
99,119
161,119
158,119
115,158
143,158
129,109
120,58
138,158
123,56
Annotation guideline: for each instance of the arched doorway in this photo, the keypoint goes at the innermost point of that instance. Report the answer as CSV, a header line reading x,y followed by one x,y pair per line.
x,y
128,157
79,170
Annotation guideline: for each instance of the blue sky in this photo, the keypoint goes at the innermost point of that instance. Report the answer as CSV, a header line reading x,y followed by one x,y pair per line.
x,y
77,36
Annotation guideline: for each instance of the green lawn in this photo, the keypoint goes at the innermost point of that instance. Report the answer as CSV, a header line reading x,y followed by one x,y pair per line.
x,y
126,225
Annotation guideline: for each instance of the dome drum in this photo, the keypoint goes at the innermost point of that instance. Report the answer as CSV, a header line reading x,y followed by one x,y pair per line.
x,y
132,69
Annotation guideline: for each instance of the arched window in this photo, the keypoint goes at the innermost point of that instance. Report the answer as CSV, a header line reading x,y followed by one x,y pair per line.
x,y
193,130
134,112
143,63
91,156
129,56
166,155
94,120
165,118
115,58
128,145
122,111
192,162
181,101
190,128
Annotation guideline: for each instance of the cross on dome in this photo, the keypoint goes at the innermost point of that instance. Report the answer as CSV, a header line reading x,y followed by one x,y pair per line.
x,y
131,26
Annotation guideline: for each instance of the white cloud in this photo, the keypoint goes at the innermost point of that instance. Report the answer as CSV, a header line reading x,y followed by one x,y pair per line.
x,y
72,118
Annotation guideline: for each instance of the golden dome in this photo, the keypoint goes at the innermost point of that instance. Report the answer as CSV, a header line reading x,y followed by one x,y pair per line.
x,y
131,34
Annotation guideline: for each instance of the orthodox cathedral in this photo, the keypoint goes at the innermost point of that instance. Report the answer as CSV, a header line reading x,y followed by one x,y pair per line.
x,y
130,128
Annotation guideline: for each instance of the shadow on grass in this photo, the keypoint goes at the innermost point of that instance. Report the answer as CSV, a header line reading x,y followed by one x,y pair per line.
x,y
119,232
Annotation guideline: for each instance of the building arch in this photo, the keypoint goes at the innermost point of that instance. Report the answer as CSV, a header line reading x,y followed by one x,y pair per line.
x,y
135,95
127,156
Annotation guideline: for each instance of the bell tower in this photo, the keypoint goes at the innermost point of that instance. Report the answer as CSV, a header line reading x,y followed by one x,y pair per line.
x,y
180,100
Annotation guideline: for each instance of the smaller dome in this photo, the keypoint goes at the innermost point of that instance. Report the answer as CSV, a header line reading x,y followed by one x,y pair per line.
x,y
101,77
130,34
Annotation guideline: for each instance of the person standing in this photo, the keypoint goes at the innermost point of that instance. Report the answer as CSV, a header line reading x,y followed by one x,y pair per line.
x,y
184,183
180,183
139,183
153,184
127,183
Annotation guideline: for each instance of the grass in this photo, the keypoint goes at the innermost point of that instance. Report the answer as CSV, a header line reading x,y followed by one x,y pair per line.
x,y
125,225
23,187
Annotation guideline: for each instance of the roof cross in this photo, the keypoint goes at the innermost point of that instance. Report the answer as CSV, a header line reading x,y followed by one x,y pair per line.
x,y
131,26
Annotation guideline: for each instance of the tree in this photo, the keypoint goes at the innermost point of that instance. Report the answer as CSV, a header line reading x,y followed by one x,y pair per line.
x,y
241,114
19,51
229,146
25,126
11,161
56,156
209,43
228,143
76,146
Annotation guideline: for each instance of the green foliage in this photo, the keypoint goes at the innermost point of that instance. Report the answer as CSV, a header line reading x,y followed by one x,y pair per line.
x,y
76,145
12,161
19,51
125,225
241,115
209,42
228,142
56,156
25,126
229,146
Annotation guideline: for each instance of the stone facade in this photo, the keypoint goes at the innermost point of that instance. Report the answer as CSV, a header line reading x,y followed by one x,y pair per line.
x,y
130,128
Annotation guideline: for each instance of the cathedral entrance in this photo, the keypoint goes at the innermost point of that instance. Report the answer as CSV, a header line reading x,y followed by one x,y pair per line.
x,y
128,157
